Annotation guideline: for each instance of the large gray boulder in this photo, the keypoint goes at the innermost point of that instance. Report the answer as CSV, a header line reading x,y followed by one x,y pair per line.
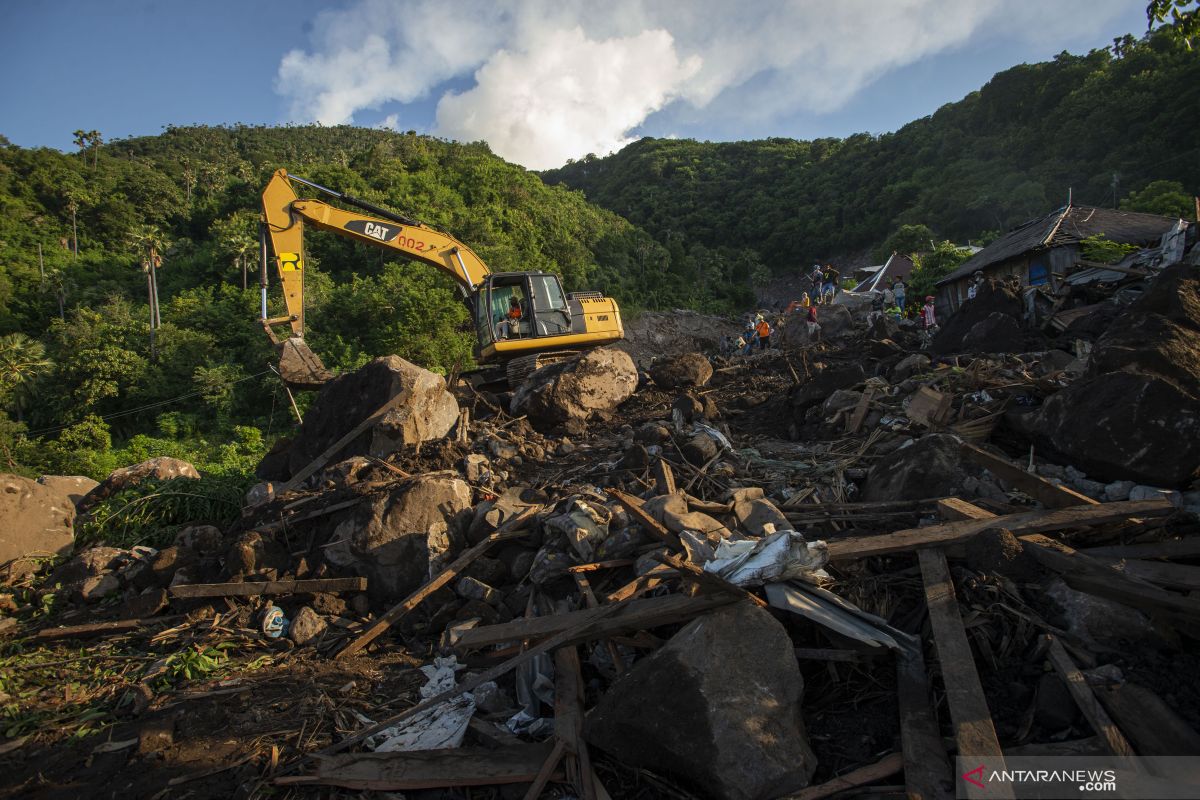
x,y
35,520
592,385
426,411
718,707
75,487
825,383
1135,415
392,537
932,466
835,320
161,468
680,372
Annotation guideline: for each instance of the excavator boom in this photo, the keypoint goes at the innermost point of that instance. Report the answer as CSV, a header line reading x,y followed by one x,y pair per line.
x,y
519,316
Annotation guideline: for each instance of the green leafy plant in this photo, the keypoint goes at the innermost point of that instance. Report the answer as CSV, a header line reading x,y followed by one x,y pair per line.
x,y
196,662
153,511
1100,248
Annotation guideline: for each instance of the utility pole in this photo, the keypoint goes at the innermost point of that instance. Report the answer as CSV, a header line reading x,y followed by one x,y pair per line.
x,y
41,266
150,266
1116,183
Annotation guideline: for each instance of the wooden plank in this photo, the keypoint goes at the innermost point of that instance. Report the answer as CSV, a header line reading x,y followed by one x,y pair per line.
x,y
271,527
427,769
1038,521
1085,574
635,615
664,477
954,508
855,421
100,628
1101,723
974,732
652,526
1048,494
883,768
509,530
585,627
1152,726
568,720
543,776
929,407
1184,577
927,771
595,565
637,586
336,447
256,588
1172,548
708,579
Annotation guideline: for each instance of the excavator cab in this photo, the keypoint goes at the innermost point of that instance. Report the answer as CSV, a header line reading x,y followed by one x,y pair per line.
x,y
513,309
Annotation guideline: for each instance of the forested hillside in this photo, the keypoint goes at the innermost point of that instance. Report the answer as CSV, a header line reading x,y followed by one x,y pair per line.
x,y
76,366
1102,125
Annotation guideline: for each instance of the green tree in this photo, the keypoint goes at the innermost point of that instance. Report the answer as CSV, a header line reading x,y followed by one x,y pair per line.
x,y
1162,197
23,363
1181,18
905,240
931,267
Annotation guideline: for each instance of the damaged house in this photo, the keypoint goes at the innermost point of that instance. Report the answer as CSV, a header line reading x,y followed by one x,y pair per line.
x,y
1045,250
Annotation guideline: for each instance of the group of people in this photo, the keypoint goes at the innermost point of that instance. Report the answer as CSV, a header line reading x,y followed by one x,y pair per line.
x,y
824,284
758,331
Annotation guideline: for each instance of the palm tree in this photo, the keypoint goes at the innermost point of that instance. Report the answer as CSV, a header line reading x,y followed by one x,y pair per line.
x,y
22,361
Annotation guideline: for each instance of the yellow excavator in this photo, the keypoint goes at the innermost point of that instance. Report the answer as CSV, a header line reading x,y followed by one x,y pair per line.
x,y
523,320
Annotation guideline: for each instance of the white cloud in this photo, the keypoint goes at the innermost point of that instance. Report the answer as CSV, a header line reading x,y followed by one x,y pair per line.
x,y
555,80
566,95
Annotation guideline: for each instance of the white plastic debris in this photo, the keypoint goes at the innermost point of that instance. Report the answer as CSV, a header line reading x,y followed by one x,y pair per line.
x,y
438,728
777,557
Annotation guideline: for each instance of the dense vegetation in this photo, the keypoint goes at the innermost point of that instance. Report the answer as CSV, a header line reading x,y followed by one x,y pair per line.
x,y
77,368
83,389
1098,125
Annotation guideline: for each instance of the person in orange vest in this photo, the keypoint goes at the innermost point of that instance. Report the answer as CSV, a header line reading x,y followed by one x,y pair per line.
x,y
763,329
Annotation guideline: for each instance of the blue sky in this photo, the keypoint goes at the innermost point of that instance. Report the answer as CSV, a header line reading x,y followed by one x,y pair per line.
x,y
541,81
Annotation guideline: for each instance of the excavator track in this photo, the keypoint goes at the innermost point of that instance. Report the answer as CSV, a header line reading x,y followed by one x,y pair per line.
x,y
520,368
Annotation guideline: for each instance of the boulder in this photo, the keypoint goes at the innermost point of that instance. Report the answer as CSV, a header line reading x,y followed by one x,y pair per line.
x,y
687,370
841,399
35,520
825,383
995,333
884,327
909,366
718,707
836,321
592,385
1124,426
307,626
392,537
993,297
1135,414
75,487
88,564
932,466
427,411
161,468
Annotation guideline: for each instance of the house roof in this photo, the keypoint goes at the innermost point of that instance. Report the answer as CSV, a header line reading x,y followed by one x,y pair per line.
x,y
1067,225
897,266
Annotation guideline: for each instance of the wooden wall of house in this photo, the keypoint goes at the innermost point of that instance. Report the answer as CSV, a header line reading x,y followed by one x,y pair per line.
x,y
1059,262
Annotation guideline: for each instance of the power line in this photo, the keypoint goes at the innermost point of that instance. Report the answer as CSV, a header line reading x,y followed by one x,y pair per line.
x,y
148,406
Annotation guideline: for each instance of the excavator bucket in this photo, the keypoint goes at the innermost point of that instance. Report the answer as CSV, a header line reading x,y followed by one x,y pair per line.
x,y
300,367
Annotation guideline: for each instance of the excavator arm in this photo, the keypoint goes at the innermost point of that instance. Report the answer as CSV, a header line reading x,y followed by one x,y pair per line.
x,y
285,214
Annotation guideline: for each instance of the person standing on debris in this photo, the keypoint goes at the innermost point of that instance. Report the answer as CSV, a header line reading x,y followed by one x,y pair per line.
x,y
898,292
876,307
814,329
976,280
763,329
928,321
831,283
815,277
750,336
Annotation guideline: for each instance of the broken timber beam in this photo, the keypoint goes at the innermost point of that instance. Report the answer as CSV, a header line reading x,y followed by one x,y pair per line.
x,y
509,530
427,769
635,615
1048,494
256,588
1114,741
664,477
652,526
708,579
333,449
883,768
1039,521
973,729
568,720
927,771
100,628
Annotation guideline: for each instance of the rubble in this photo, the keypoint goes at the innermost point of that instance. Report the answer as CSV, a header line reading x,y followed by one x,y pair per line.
x,y
733,582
